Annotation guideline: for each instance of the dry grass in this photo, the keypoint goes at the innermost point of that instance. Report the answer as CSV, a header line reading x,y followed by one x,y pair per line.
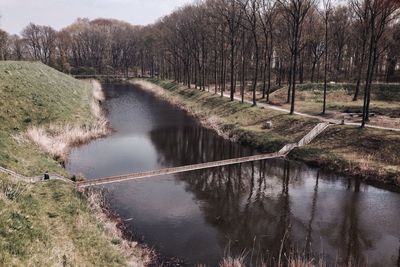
x,y
303,263
150,87
233,262
136,254
294,261
57,140
11,190
98,93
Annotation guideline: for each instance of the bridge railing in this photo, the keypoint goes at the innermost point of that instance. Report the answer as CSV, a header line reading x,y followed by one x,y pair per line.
x,y
102,76
313,133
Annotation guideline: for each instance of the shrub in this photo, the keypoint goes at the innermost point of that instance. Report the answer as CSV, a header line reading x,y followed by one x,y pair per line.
x,y
83,71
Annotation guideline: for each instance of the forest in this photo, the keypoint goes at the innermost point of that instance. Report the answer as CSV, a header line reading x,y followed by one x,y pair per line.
x,y
235,46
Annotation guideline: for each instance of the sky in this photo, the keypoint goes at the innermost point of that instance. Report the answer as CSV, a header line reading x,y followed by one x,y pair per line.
x,y
16,14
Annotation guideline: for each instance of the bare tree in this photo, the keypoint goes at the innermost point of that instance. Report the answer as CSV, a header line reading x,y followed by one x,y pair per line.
x,y
362,31
340,35
267,17
3,44
393,52
232,14
251,10
380,14
327,10
40,41
295,12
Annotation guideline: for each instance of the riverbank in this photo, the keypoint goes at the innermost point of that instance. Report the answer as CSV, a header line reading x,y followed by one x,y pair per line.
x,y
370,154
50,223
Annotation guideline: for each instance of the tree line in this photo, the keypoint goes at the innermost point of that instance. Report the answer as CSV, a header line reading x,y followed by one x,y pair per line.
x,y
100,46
233,46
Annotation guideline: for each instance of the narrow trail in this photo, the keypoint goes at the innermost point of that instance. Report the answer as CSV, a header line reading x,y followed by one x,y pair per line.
x,y
174,170
320,118
33,179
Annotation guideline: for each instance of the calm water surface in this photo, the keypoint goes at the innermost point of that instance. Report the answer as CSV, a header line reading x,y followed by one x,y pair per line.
x,y
245,209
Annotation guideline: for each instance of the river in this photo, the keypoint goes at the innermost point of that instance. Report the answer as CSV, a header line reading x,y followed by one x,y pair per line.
x,y
256,209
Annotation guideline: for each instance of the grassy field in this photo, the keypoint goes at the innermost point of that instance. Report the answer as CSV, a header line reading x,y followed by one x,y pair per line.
x,y
371,154
46,224
385,103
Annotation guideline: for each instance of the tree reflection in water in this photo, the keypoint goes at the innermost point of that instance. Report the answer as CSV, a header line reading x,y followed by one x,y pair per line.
x,y
268,206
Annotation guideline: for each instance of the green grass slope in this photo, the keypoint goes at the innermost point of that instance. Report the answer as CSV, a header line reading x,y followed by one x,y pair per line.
x,y
49,223
379,91
32,93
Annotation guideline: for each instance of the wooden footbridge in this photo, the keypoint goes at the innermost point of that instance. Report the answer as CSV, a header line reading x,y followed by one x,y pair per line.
x,y
174,170
103,76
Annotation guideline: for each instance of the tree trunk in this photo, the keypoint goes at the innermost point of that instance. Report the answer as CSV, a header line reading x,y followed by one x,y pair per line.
x,y
269,76
243,68
255,69
290,73
232,69
367,82
296,48
326,65
264,73
375,57
314,63
360,68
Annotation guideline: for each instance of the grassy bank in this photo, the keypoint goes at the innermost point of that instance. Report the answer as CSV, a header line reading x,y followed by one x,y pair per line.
x,y
58,139
49,224
32,94
370,153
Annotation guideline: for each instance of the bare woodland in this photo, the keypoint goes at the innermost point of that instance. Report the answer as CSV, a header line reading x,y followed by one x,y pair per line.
x,y
233,45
